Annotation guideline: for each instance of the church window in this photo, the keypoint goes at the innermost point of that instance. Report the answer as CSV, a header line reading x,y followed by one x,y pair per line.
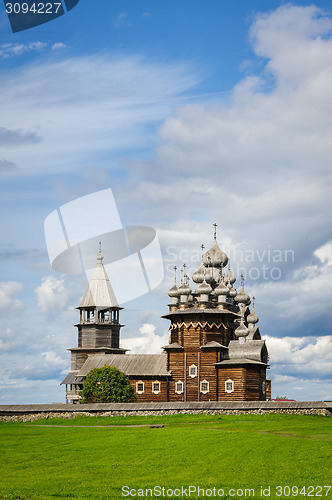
x,y
179,387
156,387
263,387
193,371
140,387
229,385
204,386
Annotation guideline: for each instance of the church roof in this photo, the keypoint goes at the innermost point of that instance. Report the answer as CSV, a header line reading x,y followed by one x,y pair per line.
x,y
175,345
99,292
196,310
251,349
70,377
130,364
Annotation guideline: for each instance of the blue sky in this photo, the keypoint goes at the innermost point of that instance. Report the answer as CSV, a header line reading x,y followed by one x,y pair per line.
x,y
191,113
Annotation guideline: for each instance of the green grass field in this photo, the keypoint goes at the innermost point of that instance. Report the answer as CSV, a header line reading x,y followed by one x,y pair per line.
x,y
94,457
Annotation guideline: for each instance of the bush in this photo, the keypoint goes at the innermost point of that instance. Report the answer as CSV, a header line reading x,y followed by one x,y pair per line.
x,y
107,385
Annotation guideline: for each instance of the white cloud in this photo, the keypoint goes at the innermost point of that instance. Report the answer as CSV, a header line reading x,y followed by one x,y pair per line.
x,y
110,103
58,45
146,341
324,253
52,294
294,299
262,161
301,356
17,49
8,342
8,291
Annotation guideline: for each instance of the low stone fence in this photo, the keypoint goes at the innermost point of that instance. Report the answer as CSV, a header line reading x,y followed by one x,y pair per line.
x,y
28,413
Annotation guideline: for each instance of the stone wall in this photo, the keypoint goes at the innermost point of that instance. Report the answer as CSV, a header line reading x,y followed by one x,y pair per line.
x,y
31,417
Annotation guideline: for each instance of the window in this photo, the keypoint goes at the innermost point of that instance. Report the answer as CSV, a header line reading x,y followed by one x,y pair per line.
x,y
263,387
204,387
193,371
229,385
140,387
156,387
179,387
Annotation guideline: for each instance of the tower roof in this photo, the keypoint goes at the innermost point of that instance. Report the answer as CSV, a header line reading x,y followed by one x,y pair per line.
x,y
99,293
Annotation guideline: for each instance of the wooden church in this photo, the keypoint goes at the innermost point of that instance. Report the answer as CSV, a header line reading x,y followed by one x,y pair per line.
x,y
215,350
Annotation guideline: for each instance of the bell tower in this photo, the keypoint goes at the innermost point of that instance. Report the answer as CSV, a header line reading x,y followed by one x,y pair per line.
x,y
99,326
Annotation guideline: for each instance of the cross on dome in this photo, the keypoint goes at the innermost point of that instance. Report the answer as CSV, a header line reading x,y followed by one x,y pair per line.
x,y
215,230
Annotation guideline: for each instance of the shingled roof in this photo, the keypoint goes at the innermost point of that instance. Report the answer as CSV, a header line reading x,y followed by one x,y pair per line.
x,y
251,349
99,292
131,364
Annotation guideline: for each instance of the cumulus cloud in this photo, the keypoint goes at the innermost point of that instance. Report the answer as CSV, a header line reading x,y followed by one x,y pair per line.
x,y
260,161
8,292
324,253
300,356
52,294
146,341
262,126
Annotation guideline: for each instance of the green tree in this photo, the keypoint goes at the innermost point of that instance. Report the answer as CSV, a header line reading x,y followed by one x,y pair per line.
x,y
107,385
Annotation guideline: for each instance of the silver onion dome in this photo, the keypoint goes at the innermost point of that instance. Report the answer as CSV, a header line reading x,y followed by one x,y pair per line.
x,y
204,288
252,317
242,297
242,330
221,289
174,291
215,257
198,275
184,289
229,278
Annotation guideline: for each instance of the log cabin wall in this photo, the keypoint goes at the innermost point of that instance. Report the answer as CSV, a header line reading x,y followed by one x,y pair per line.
x,y
149,395
78,359
253,379
176,364
237,375
208,373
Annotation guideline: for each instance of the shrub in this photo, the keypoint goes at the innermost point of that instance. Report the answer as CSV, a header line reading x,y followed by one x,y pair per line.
x,y
107,385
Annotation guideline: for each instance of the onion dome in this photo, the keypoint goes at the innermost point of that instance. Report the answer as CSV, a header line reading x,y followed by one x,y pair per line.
x,y
252,317
242,297
204,288
184,289
198,275
221,289
229,278
242,330
232,292
174,291
211,274
215,257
